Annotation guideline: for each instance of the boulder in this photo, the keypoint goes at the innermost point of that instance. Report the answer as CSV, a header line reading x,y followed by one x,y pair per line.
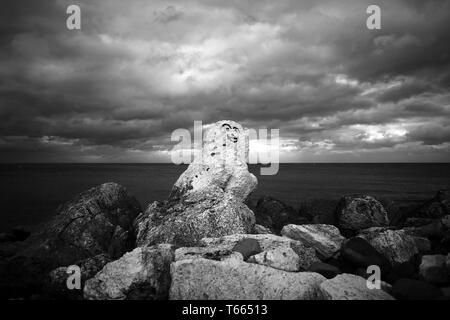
x,y
350,287
267,242
433,269
437,207
282,258
56,287
234,279
98,221
360,253
140,274
327,270
395,245
274,214
355,213
247,247
208,199
433,229
325,239
408,289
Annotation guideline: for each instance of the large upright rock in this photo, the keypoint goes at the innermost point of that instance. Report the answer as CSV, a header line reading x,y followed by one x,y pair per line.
x,y
98,221
208,198
355,213
234,279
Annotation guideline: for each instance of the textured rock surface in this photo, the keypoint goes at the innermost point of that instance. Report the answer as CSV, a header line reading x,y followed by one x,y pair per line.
x,y
259,229
234,279
267,242
140,274
208,198
56,287
281,258
433,269
356,213
325,239
98,221
247,247
360,253
408,289
274,214
351,287
395,245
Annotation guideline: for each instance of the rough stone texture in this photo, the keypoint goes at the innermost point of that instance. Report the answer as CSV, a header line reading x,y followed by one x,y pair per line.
x,y
281,258
408,289
433,269
56,287
325,239
267,242
259,229
360,253
325,269
395,245
274,214
140,274
350,287
212,253
208,198
436,207
355,213
98,221
247,247
202,279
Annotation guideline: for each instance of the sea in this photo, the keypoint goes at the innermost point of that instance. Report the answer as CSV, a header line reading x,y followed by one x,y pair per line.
x,y
30,193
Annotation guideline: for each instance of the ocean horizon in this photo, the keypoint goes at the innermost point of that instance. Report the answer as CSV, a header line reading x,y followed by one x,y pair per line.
x,y
31,192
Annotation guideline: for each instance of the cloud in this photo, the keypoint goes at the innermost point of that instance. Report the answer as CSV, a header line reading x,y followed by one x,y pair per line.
x,y
115,90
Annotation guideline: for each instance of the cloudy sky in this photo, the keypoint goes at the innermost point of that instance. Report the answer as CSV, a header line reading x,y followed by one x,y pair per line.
x,y
137,70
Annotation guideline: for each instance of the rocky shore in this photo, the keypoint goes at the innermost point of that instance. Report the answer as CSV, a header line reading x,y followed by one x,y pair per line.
x,y
204,242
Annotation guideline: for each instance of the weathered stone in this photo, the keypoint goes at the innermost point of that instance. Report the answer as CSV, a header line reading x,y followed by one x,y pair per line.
x,y
325,239
395,245
436,207
408,289
433,269
361,254
203,279
247,247
140,274
350,287
259,229
208,198
267,242
212,253
274,214
98,221
281,258
355,213
325,269
56,287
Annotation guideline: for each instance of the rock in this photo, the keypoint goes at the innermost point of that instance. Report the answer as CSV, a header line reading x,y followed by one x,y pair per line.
x,y
422,244
247,247
98,221
361,254
386,287
350,287
259,229
407,289
267,242
355,213
325,239
234,279
208,198
417,222
140,274
446,222
274,214
325,269
436,207
434,229
281,258
8,249
405,270
395,245
433,269
56,287
212,253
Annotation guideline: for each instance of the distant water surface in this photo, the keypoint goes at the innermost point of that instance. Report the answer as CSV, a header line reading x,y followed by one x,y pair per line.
x,y
30,193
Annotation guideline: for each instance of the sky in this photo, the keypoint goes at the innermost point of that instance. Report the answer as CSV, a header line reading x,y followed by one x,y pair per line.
x,y
137,70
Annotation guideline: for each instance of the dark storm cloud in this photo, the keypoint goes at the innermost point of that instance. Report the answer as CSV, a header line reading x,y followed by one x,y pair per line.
x,y
115,90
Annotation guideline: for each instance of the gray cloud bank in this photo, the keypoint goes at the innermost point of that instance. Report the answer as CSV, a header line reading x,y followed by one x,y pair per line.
x,y
115,90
